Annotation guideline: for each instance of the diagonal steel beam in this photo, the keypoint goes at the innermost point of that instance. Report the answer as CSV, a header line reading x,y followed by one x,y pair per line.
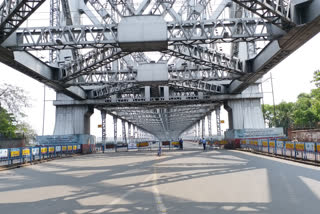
x,y
13,13
275,11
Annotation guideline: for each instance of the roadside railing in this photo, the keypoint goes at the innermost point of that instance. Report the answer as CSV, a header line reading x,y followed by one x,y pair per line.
x,y
29,154
297,150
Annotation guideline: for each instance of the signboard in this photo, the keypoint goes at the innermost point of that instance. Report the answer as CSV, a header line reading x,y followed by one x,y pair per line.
x,y
44,150
165,143
51,149
175,144
69,148
143,144
99,126
280,144
3,153
35,151
289,145
15,153
221,121
265,143
223,142
26,152
75,147
272,144
243,142
79,147
64,148
132,146
318,147
58,148
300,146
310,147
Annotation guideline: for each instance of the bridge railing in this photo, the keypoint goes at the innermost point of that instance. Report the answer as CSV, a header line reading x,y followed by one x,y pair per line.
x,y
10,156
298,150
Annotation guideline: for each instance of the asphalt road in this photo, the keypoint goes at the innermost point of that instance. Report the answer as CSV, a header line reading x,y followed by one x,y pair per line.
x,y
188,182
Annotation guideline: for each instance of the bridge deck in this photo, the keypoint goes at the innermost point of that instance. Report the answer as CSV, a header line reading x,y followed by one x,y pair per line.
x,y
189,181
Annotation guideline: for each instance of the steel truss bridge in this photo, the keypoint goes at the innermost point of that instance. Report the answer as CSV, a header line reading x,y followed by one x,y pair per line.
x,y
161,65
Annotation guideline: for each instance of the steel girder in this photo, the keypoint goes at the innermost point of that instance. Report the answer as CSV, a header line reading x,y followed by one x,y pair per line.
x,y
13,13
278,12
105,36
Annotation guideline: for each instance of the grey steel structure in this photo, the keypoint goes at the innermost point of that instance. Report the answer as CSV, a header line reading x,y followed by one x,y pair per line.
x,y
161,66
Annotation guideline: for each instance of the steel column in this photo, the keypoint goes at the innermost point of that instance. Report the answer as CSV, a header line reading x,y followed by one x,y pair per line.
x,y
218,121
124,135
203,127
115,121
209,124
103,126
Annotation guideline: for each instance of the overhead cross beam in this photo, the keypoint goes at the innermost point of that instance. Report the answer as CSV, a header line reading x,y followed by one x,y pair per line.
x,y
102,36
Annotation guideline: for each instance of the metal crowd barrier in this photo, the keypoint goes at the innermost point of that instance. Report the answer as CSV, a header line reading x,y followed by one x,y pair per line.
x,y
297,150
29,154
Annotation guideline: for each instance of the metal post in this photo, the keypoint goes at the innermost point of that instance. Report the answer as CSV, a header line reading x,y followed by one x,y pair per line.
x,y
103,124
124,135
44,107
203,127
209,125
218,121
274,107
115,120
129,132
199,128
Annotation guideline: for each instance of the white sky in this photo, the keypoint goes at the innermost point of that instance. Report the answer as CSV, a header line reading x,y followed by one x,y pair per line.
x,y
291,77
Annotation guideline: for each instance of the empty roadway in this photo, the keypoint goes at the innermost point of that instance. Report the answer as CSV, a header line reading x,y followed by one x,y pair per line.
x,y
189,182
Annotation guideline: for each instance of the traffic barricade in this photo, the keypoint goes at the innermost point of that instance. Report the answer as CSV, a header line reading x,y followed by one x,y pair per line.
x,y
4,155
310,152
143,146
289,149
26,154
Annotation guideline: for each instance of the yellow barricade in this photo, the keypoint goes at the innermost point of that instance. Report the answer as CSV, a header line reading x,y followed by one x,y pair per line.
x,y
26,152
143,144
289,146
175,144
272,144
300,147
244,142
75,147
15,153
69,148
265,143
44,150
51,149
64,148
318,148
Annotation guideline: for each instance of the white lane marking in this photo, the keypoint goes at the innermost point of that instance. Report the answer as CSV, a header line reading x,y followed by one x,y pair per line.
x,y
159,203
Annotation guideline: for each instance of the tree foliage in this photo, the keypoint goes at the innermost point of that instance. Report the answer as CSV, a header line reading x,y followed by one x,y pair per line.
x,y
305,112
13,99
7,124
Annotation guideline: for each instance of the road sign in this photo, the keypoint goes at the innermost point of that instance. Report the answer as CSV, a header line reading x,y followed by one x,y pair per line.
x,y
99,126
221,121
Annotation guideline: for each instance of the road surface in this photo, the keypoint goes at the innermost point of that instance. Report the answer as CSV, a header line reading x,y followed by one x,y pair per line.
x,y
188,182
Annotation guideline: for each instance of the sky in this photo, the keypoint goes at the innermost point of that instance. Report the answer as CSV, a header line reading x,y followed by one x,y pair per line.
x,y
290,78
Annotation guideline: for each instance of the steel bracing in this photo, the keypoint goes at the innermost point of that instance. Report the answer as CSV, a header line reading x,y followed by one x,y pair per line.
x,y
159,66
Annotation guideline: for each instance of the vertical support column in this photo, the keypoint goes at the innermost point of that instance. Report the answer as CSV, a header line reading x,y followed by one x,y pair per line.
x,y
203,127
129,132
115,129
199,128
195,131
103,125
124,134
147,93
135,132
209,125
218,120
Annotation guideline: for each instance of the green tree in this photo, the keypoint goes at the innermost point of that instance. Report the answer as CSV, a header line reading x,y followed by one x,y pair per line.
x,y
7,124
316,78
27,131
14,99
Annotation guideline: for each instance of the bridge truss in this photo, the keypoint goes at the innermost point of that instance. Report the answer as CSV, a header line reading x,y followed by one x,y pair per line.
x,y
162,65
